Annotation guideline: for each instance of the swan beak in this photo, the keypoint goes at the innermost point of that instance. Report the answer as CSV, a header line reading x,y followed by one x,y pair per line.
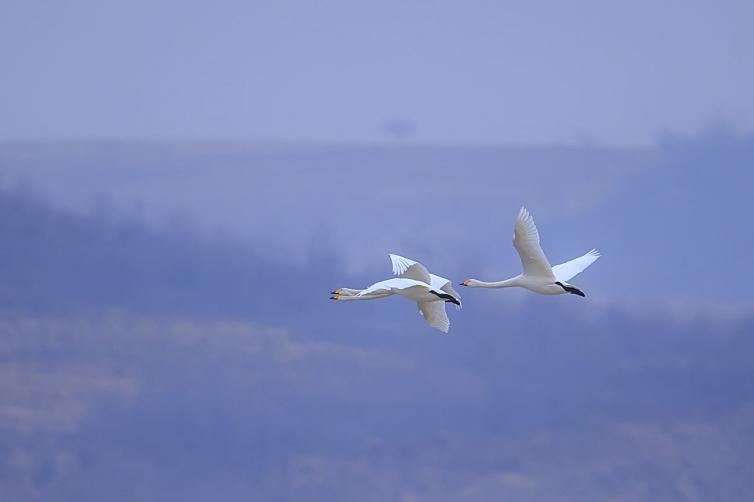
x,y
335,296
465,283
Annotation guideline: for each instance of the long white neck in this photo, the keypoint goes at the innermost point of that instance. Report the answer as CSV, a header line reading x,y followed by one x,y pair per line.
x,y
353,298
508,283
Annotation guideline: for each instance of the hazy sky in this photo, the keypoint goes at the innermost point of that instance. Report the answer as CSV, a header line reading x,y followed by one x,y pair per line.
x,y
567,72
165,328
657,215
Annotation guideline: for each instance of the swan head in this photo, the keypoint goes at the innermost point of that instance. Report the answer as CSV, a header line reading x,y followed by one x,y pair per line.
x,y
569,288
472,283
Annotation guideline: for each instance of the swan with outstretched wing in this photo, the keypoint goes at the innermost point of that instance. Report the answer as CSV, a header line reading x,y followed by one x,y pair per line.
x,y
414,282
538,275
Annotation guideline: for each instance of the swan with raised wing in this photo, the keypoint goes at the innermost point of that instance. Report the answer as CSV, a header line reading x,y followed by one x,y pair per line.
x,y
412,281
538,275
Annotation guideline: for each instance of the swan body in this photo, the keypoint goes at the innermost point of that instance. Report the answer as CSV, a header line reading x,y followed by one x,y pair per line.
x,y
414,282
538,275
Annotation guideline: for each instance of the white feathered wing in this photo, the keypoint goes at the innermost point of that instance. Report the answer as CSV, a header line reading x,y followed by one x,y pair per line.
x,y
570,269
435,315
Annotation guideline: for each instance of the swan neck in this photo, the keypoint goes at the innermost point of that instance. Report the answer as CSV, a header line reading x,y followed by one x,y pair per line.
x,y
354,298
508,283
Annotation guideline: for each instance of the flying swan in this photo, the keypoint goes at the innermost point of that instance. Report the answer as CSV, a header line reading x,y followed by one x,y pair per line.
x,y
414,282
538,275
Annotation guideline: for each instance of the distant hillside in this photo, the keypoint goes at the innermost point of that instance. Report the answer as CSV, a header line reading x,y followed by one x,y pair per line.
x,y
58,262
143,352
682,201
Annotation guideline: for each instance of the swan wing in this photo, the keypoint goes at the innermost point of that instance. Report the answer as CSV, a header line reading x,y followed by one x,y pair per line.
x,y
526,242
444,284
566,271
410,269
438,282
400,263
403,266
435,315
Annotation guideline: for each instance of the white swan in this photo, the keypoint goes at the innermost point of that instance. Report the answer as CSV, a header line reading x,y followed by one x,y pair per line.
x,y
538,275
414,282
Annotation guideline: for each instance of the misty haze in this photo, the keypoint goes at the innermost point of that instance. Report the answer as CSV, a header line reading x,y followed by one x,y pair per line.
x,y
183,184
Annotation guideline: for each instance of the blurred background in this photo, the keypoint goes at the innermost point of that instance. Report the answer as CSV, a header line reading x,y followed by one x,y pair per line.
x,y
183,183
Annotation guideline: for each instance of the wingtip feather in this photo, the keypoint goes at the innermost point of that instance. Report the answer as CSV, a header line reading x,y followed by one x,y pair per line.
x,y
399,263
